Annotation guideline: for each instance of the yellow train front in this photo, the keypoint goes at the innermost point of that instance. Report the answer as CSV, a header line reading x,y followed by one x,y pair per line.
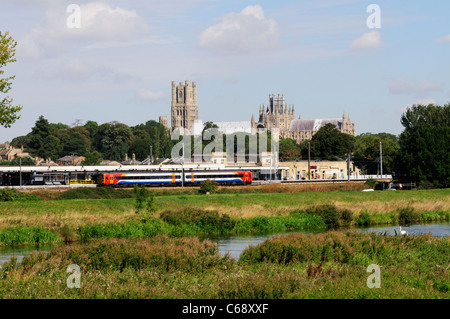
x,y
174,178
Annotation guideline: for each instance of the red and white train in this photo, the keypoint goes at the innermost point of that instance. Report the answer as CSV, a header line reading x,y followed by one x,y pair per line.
x,y
175,178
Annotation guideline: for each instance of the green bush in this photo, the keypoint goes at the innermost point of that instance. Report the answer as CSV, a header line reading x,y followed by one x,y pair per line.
x,y
364,219
12,194
346,217
132,229
14,236
370,182
160,253
145,206
408,216
207,221
208,186
329,213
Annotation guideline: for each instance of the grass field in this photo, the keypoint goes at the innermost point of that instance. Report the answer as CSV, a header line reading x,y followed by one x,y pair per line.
x,y
328,265
124,255
250,212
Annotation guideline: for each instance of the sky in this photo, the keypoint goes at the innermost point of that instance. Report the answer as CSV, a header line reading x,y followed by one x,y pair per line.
x,y
115,60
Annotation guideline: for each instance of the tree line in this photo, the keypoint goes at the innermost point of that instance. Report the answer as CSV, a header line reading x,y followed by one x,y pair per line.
x,y
96,142
421,153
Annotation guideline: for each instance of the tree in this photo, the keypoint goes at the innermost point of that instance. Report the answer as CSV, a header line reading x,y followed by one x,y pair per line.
x,y
157,137
140,145
329,143
112,140
20,141
42,142
75,144
289,150
424,151
26,161
8,112
92,127
93,159
366,153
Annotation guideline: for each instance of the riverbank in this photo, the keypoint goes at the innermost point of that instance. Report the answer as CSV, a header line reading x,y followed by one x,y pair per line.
x,y
329,265
34,221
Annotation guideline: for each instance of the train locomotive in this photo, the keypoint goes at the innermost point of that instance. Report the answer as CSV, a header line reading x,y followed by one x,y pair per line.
x,y
174,178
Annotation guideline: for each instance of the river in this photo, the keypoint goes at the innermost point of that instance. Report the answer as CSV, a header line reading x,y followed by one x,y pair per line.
x,y
236,244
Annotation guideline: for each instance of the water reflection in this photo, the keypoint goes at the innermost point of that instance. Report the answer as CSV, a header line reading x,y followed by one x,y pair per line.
x,y
437,230
235,245
20,252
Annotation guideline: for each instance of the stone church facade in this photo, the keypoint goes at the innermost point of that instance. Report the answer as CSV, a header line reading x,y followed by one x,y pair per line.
x,y
184,110
277,114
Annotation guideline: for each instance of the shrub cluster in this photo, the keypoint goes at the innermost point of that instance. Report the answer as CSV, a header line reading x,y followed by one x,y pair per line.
x,y
331,215
208,221
407,216
144,205
27,235
12,194
208,186
131,229
161,253
351,248
364,219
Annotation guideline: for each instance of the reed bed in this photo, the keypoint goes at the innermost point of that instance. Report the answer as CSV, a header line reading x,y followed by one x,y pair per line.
x,y
329,265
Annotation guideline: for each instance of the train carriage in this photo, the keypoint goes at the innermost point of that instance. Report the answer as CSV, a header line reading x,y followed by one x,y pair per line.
x,y
127,179
174,178
225,177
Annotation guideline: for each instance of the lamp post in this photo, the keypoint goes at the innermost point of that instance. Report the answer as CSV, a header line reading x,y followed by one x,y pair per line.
x,y
151,154
182,167
20,165
309,159
348,169
381,160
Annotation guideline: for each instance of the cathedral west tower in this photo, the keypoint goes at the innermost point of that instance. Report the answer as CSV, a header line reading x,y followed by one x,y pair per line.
x,y
184,109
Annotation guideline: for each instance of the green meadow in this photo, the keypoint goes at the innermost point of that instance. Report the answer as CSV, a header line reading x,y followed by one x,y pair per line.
x,y
327,265
123,253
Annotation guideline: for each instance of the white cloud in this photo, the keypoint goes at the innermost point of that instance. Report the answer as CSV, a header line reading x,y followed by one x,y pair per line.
x,y
146,95
369,40
420,101
99,23
246,31
443,39
401,86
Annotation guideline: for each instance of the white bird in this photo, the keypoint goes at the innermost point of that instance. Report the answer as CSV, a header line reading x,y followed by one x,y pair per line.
x,y
402,232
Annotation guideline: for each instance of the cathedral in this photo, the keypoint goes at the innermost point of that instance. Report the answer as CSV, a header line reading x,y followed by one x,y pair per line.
x,y
277,114
184,109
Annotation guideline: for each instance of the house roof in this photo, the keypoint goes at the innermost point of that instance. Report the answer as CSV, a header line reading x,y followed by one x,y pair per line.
x,y
69,158
130,162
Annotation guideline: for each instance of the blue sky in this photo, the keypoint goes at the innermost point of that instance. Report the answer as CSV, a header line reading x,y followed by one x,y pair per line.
x,y
119,65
